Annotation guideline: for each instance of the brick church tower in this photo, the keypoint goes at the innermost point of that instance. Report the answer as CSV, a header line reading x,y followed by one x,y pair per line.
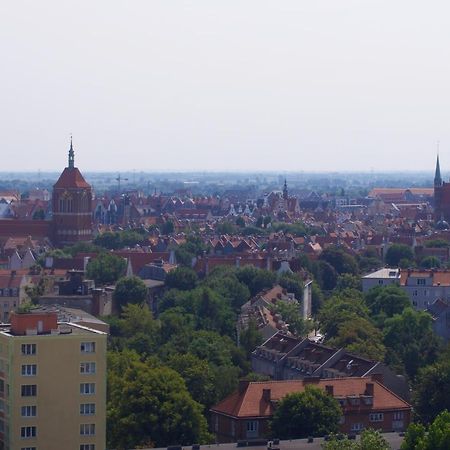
x,y
72,205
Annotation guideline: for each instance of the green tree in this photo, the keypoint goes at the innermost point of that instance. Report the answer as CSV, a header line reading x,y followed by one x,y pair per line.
x,y
229,287
358,335
226,228
150,406
290,312
106,268
255,279
348,281
240,222
339,309
341,261
432,381
183,278
292,282
167,227
250,338
130,290
198,376
414,437
397,252
369,440
325,275
308,413
385,301
410,341
430,262
437,243
437,437
316,298
109,240
135,329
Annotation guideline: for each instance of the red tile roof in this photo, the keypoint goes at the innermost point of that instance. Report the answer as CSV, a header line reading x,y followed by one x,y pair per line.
x,y
71,178
251,402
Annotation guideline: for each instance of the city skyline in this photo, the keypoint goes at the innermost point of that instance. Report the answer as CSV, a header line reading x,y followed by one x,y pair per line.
x,y
257,86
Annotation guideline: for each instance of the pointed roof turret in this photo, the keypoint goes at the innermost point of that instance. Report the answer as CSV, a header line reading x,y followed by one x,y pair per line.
x,y
71,177
285,190
437,174
71,155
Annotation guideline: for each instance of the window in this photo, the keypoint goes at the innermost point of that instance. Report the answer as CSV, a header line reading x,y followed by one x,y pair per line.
x,y
87,447
380,281
28,432
28,448
252,425
357,427
29,390
28,411
376,417
29,370
399,415
421,281
87,429
28,349
87,409
87,388
87,367
87,347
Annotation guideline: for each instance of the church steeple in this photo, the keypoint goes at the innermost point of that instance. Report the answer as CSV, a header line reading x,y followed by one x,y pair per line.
x,y
437,174
285,190
71,155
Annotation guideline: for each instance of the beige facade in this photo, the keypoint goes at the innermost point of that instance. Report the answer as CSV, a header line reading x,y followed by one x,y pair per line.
x,y
53,389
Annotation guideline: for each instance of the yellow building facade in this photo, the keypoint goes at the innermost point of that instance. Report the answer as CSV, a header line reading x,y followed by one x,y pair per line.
x,y
52,385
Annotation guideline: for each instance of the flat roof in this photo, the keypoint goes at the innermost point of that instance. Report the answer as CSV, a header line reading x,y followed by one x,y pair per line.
x,y
64,329
384,273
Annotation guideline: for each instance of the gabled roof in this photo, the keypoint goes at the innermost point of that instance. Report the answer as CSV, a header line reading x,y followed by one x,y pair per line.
x,y
71,178
250,401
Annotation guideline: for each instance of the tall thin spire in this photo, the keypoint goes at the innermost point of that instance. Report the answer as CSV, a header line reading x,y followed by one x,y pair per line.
x,y
437,174
285,190
71,155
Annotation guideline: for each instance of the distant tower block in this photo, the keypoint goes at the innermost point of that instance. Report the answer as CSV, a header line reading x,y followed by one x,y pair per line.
x,y
72,205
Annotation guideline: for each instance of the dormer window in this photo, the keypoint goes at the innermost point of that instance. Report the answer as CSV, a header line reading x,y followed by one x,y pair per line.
x,y
421,281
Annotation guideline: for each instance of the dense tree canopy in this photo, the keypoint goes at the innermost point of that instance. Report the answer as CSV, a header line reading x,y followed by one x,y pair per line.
x,y
183,278
106,268
309,413
255,279
130,290
369,440
150,406
341,261
431,384
385,301
410,341
398,252
437,437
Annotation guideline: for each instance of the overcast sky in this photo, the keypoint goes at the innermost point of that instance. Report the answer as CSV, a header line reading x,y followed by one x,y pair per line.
x,y
225,85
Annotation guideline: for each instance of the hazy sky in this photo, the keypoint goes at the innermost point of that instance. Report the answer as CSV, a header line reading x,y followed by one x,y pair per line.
x,y
224,85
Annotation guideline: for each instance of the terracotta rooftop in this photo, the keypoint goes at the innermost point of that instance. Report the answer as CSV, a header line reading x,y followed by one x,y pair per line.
x,y
71,177
250,401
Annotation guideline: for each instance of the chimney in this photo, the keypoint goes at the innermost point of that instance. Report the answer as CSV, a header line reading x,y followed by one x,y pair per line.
x,y
243,385
329,389
369,389
266,395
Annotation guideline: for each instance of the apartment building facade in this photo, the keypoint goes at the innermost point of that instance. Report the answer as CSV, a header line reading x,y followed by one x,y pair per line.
x,y
52,384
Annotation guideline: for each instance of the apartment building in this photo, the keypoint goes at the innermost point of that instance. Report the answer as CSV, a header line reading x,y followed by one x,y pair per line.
x,y
423,286
365,403
52,384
